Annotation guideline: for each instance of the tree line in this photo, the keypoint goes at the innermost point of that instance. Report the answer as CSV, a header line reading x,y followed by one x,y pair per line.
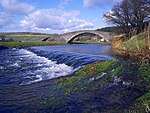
x,y
129,15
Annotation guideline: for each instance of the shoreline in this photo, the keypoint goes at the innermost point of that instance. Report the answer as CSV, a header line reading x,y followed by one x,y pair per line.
x,y
135,48
3,47
27,44
142,56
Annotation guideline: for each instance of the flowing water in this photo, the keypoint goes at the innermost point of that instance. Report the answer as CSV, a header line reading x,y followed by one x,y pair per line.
x,y
27,74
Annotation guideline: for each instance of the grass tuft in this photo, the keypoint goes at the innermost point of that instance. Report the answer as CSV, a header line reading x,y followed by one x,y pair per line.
x,y
96,68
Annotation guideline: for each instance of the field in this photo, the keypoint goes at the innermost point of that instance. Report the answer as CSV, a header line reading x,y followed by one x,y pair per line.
x,y
30,37
25,39
27,44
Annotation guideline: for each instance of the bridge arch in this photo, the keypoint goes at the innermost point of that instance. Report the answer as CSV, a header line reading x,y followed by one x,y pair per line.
x,y
80,33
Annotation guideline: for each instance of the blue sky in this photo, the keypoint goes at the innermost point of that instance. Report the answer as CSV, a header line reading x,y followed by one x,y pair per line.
x,y
53,16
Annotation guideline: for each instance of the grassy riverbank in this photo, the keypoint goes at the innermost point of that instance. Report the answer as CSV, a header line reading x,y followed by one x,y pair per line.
x,y
27,44
137,47
109,86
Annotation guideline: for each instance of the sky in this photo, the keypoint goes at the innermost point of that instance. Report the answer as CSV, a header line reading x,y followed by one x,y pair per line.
x,y
53,16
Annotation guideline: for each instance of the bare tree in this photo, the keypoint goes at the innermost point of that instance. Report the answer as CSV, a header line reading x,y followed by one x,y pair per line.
x,y
129,14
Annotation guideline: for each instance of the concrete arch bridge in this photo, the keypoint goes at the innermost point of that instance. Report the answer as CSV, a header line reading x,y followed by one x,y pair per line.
x,y
69,37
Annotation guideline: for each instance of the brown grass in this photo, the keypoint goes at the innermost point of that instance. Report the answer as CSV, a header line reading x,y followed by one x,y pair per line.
x,y
137,47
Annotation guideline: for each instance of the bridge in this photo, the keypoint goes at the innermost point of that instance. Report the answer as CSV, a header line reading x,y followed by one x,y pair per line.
x,y
69,37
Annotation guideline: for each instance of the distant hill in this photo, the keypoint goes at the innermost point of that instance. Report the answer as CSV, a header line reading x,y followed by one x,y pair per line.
x,y
29,36
22,33
113,29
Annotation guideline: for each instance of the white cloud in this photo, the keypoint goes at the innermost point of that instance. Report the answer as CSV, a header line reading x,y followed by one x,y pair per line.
x,y
54,20
20,16
16,7
98,3
4,19
11,9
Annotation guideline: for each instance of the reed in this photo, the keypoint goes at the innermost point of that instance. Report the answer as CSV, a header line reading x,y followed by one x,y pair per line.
x,y
139,42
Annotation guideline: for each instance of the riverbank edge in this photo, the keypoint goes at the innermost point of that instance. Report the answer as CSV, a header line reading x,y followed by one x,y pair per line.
x,y
143,56
27,44
140,55
136,48
3,47
95,76
30,44
143,102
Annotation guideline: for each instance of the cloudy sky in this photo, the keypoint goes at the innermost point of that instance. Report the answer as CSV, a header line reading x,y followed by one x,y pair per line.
x,y
52,16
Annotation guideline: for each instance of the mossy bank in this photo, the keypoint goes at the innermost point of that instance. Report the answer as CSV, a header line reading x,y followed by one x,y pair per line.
x,y
109,86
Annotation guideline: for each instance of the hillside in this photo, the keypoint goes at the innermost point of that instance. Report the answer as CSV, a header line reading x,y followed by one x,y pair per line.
x,y
29,36
113,29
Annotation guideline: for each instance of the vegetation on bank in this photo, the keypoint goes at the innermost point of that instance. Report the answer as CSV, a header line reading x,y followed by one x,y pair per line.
x,y
104,79
136,47
137,43
81,82
96,68
142,104
27,44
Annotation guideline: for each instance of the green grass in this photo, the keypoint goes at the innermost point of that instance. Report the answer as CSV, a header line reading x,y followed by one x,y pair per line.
x,y
82,82
96,68
144,72
27,44
27,37
117,71
142,104
137,43
70,84
145,99
31,37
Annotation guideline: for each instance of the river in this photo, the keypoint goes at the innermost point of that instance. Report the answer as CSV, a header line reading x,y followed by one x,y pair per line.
x,y
28,74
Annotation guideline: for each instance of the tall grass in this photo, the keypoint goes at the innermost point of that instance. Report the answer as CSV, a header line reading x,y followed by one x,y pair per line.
x,y
138,42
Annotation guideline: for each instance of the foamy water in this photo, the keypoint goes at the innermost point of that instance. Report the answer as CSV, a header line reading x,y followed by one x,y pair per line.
x,y
47,69
35,64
